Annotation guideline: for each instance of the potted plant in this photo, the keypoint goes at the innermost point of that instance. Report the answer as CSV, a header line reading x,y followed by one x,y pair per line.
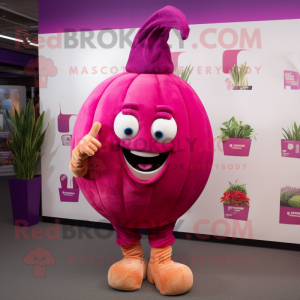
x,y
290,145
236,138
236,202
289,205
25,144
238,78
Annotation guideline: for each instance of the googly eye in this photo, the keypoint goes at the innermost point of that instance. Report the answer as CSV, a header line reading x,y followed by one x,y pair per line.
x,y
126,126
128,131
163,130
158,134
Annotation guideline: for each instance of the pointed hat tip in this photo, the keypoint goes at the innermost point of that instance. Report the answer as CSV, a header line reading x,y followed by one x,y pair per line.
x,y
150,52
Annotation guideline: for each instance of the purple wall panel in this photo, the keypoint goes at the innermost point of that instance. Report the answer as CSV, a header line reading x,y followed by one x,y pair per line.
x,y
97,14
14,57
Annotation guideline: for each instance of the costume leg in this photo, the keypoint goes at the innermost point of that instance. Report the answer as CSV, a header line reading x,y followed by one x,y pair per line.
x,y
128,273
161,236
170,278
126,236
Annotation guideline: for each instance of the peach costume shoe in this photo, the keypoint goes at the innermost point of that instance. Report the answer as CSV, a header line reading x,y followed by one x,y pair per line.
x,y
170,278
128,274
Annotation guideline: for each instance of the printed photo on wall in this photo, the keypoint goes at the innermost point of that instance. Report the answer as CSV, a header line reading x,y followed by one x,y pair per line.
x,y
68,194
236,202
236,138
289,205
9,101
290,145
4,144
6,162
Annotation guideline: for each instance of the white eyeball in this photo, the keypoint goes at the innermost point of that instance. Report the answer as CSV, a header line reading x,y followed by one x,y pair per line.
x,y
164,130
126,127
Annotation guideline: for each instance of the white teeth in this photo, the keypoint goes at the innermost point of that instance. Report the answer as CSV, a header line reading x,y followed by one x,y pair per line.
x,y
144,154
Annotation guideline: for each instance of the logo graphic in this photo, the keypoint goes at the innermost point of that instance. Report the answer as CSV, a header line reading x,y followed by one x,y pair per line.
x,y
66,139
41,68
96,165
39,258
290,149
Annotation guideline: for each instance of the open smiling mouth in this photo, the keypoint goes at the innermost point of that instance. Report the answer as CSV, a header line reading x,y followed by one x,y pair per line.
x,y
145,161
144,165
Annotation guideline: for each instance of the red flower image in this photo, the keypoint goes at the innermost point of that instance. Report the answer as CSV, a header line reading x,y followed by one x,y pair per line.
x,y
39,258
235,197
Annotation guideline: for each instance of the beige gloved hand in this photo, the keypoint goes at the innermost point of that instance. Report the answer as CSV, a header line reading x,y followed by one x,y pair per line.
x,y
88,146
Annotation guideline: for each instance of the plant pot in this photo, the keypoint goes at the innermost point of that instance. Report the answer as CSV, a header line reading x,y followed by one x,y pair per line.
x,y
289,215
290,149
237,147
25,197
239,212
68,195
242,87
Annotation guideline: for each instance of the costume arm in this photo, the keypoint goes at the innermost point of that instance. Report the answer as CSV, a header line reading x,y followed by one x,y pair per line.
x,y
88,146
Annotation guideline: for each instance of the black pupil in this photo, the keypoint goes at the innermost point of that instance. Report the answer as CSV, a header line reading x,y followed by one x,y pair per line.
x,y
158,134
128,131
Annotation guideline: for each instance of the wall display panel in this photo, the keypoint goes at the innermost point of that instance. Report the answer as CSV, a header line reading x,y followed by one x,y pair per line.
x,y
12,98
245,73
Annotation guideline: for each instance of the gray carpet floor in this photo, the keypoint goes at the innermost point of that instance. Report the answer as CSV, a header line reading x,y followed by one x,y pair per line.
x,y
81,265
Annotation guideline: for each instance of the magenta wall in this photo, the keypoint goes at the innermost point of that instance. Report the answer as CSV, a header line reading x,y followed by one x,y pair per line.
x,y
70,15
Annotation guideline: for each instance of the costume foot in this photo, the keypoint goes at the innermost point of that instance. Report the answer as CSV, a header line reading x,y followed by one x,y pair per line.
x,y
170,278
128,273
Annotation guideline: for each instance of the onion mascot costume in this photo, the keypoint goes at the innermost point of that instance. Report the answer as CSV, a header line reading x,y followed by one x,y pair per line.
x,y
151,159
